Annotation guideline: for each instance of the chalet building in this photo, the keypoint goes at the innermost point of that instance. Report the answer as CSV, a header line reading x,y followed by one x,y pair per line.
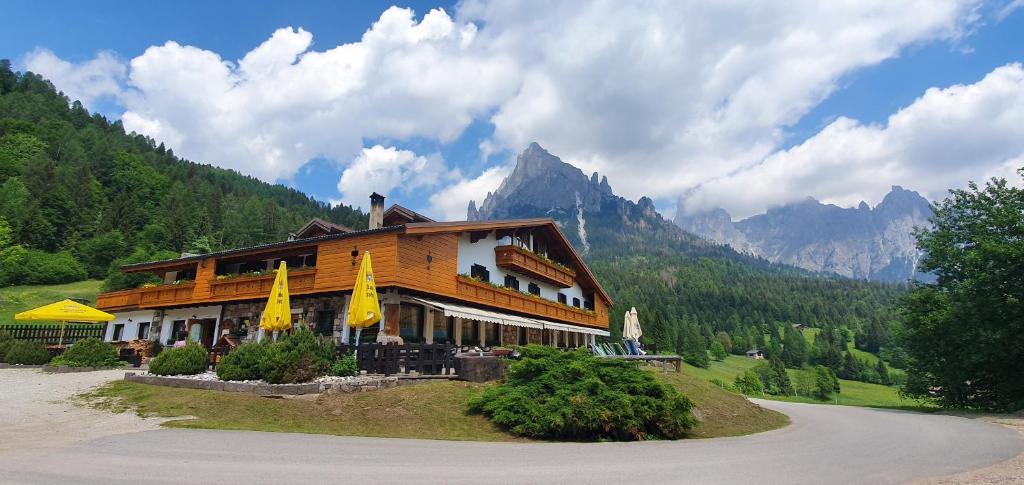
x,y
474,283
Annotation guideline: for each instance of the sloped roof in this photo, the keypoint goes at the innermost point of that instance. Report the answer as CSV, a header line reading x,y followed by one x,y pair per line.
x,y
322,225
405,214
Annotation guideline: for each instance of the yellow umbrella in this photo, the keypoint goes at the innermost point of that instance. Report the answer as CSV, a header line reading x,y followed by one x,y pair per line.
x,y
364,309
277,316
63,311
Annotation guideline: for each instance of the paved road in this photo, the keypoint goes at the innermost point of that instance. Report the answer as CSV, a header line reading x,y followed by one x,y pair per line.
x,y
825,444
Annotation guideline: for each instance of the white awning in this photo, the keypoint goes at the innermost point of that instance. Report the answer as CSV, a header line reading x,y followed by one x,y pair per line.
x,y
473,313
573,328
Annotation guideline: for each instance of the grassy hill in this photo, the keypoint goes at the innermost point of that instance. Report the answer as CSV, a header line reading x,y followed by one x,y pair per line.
x,y
16,299
427,411
853,393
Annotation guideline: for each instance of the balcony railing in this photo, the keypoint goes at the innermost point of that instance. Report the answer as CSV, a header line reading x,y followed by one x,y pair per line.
x,y
528,263
483,293
256,286
118,299
167,294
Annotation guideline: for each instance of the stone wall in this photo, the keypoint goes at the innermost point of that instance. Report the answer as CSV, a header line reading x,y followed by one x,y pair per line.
x,y
237,316
509,335
536,336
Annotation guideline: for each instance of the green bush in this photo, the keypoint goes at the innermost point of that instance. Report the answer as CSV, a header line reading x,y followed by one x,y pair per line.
x,y
299,357
346,366
42,268
188,360
26,353
5,342
749,382
243,363
551,394
90,352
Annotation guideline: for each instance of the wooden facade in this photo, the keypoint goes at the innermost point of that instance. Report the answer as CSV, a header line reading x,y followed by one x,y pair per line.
x,y
419,258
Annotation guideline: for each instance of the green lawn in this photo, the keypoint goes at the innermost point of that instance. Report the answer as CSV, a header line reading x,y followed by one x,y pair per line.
x,y
16,299
853,393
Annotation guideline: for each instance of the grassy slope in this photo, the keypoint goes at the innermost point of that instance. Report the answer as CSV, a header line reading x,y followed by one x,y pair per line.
x,y
722,413
16,299
852,393
429,411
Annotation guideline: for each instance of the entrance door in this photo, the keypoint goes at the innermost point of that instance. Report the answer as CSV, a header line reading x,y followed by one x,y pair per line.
x,y
201,331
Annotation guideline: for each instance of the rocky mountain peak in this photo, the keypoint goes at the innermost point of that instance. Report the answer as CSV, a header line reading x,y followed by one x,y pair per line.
x,y
856,242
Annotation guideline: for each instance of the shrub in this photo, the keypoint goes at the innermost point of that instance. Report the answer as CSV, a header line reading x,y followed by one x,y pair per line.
x,y
90,352
26,353
299,357
188,360
749,382
345,366
242,364
5,342
572,395
42,268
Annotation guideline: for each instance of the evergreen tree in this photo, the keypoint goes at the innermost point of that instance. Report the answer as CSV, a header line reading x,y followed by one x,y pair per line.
x,y
718,351
794,348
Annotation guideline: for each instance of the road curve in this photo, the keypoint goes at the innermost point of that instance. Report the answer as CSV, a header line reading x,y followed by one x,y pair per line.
x,y
824,444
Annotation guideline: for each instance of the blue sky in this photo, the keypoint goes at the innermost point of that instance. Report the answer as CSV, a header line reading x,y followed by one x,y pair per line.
x,y
575,105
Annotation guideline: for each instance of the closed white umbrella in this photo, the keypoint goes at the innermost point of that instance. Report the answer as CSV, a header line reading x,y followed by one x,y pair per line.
x,y
631,326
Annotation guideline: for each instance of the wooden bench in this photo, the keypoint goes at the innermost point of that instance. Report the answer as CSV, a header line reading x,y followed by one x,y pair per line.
x,y
675,360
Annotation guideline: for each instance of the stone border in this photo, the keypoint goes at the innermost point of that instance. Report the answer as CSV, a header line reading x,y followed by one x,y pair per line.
x,y
63,369
263,389
4,365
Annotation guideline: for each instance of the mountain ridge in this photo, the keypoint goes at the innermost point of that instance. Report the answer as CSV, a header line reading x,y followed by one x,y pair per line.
x,y
857,242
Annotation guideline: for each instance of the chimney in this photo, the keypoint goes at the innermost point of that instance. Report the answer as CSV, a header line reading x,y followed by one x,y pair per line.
x,y
376,211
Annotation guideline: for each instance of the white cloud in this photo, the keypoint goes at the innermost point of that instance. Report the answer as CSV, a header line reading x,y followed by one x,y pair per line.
x,y
686,91
662,96
941,140
87,81
1008,9
451,202
386,170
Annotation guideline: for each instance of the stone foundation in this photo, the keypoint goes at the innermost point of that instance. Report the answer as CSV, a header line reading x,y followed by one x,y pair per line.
x,y
359,384
479,368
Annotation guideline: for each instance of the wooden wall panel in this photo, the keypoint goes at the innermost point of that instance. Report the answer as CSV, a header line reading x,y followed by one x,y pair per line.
x,y
205,272
439,276
335,271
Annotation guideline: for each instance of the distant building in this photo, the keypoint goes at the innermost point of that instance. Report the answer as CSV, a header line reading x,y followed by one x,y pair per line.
x,y
755,354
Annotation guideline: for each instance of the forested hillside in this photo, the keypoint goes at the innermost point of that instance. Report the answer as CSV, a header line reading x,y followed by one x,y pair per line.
x,y
77,193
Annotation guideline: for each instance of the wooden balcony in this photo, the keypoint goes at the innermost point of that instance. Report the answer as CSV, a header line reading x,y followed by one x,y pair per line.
x,y
528,263
259,286
475,291
175,294
116,300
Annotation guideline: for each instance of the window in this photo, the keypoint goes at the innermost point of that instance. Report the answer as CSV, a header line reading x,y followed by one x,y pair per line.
x,y
470,332
143,333
410,323
511,282
177,328
534,289
325,323
118,332
444,328
588,303
480,272
524,336
491,337
562,299
576,302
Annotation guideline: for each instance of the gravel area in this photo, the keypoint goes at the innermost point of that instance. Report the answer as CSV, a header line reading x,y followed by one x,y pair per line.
x,y
36,410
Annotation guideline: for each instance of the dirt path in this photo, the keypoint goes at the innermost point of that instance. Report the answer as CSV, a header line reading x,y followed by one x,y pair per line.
x,y
36,410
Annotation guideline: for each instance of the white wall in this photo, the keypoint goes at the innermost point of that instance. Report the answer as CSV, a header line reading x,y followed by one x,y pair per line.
x,y
130,328
173,314
482,252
